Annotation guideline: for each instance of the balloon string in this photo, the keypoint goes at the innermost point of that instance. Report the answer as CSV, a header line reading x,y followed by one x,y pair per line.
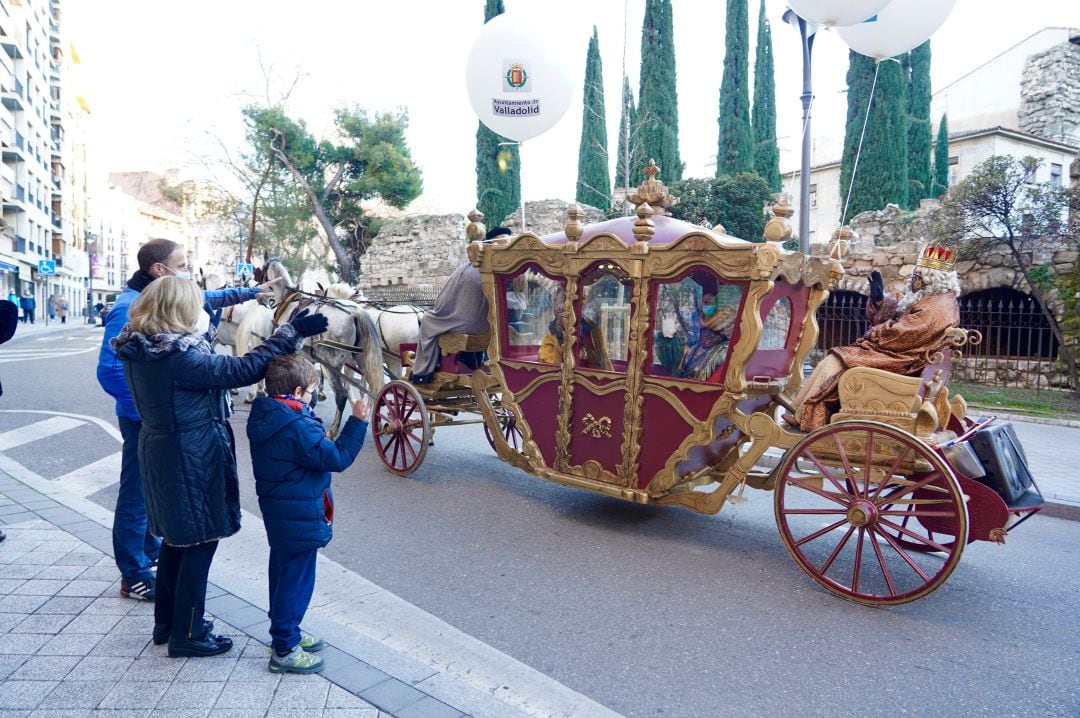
x,y
862,136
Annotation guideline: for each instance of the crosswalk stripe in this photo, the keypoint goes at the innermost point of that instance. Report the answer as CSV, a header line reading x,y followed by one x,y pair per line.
x,y
10,355
93,477
36,431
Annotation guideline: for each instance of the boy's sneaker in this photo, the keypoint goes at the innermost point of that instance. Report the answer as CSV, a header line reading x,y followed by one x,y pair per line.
x,y
142,590
310,642
295,661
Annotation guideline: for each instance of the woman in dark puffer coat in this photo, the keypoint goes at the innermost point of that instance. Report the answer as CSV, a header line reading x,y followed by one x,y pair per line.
x,y
186,446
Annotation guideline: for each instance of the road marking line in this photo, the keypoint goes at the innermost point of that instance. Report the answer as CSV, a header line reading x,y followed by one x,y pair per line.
x,y
101,423
54,353
93,477
36,431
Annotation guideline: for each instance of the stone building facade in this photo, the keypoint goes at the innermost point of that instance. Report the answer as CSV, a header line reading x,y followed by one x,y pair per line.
x,y
1050,94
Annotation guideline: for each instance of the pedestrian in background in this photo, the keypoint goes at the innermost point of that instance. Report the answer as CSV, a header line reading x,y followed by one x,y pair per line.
x,y
50,306
28,305
14,299
293,458
62,309
134,546
187,454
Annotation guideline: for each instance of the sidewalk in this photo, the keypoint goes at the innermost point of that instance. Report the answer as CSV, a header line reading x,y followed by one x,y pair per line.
x,y
71,646
39,327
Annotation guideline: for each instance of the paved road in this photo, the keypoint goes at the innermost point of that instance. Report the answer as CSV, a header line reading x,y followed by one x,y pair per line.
x,y
652,611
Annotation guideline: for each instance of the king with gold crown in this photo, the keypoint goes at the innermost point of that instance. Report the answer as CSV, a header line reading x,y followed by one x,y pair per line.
x,y
901,342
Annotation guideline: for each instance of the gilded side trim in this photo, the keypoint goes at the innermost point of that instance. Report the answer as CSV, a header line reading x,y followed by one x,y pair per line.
x,y
749,334
636,351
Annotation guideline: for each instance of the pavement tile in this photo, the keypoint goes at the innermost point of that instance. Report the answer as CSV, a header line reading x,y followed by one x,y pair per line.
x,y
79,694
338,697
92,667
40,587
92,623
371,712
18,570
244,616
429,707
244,694
140,608
191,695
152,668
86,557
79,587
237,713
22,644
128,645
133,695
112,605
128,713
45,668
51,623
41,503
11,508
392,695
21,604
40,556
60,515
62,713
17,518
9,585
23,695
213,591
356,677
70,605
100,573
70,644
80,527
224,603
143,625
211,668
10,620
301,694
66,573
8,664
180,713
254,669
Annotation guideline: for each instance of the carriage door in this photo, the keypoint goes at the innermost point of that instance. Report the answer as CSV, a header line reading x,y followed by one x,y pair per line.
x,y
599,381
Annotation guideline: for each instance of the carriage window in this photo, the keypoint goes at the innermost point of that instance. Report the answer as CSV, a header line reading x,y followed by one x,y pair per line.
x,y
694,321
532,298
777,324
605,318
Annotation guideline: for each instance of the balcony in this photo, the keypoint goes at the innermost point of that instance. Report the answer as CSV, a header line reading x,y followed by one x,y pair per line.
x,y
13,99
11,47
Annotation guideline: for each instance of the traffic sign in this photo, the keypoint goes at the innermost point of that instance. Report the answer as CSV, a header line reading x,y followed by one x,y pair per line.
x,y
245,270
46,266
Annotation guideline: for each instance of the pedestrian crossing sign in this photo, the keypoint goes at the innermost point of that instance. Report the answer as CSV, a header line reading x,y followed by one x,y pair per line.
x,y
245,270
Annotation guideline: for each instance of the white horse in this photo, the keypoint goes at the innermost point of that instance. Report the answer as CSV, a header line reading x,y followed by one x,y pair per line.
x,y
256,324
351,340
398,324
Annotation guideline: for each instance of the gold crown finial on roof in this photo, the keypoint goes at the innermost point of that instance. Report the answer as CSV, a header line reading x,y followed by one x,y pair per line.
x,y
937,257
653,192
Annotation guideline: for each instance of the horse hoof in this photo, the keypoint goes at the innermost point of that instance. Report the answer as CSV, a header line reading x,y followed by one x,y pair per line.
x,y
322,396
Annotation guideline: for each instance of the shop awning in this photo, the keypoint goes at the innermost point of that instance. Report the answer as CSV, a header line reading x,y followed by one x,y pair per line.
x,y
5,267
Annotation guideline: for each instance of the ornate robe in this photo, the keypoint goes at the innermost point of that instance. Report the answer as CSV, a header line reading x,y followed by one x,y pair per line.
x,y
902,345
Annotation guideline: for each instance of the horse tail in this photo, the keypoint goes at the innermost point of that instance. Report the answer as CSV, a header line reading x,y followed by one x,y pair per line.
x,y
371,357
254,328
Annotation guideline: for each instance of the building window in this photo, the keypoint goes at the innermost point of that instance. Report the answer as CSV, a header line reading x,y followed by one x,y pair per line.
x,y
1055,174
954,171
813,196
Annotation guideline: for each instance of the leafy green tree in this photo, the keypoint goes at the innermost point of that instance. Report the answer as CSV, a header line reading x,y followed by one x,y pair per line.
x,y
736,201
630,161
735,146
368,159
941,159
920,133
498,166
998,207
594,179
763,117
881,178
658,103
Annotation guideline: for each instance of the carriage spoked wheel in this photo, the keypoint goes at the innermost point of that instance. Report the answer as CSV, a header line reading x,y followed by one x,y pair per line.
x,y
508,427
402,428
876,520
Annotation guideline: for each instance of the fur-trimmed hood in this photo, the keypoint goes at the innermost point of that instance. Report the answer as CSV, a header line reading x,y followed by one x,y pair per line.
x,y
136,346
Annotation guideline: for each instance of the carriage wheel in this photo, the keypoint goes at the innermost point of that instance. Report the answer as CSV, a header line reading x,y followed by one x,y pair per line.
x,y
402,429
508,427
876,521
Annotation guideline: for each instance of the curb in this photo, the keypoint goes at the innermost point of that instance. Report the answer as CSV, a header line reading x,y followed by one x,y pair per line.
x,y
1028,418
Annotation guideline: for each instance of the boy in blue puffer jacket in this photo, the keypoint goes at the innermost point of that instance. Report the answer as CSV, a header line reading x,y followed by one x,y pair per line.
x,y
293,459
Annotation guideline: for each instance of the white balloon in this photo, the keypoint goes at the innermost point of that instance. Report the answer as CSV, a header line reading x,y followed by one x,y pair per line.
x,y
902,26
518,85
836,13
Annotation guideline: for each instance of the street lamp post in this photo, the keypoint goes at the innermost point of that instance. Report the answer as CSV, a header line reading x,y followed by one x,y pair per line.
x,y
807,32
91,241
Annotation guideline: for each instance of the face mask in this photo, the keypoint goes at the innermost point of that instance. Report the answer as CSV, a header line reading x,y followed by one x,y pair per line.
x,y
178,275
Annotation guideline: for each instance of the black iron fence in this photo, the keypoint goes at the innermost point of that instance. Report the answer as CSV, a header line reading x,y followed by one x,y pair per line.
x,y
1018,347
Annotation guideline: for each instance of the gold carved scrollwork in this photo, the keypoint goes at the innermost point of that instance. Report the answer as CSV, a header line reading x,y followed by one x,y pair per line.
x,y
596,428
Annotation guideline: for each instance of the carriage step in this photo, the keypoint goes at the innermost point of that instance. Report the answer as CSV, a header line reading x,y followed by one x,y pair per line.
x,y
1030,500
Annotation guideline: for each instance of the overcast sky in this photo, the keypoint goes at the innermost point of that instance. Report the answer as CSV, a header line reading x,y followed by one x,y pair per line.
x,y
160,76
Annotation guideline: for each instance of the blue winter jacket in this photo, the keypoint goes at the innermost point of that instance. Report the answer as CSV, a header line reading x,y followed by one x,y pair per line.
x,y
110,370
293,459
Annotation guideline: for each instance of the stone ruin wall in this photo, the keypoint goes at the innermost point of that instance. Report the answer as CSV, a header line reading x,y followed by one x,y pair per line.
x,y
422,251
1050,94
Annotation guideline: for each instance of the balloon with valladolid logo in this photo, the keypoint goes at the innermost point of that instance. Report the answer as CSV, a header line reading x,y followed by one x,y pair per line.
x,y
901,26
518,85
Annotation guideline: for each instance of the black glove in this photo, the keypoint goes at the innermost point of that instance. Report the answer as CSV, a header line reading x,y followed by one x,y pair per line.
x,y
307,324
877,287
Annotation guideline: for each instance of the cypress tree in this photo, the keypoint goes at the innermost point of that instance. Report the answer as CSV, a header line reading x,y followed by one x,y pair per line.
x,y
594,179
498,169
882,172
763,117
941,159
658,103
735,147
920,133
629,163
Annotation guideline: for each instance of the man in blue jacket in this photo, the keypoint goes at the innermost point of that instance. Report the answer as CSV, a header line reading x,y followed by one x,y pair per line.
x,y
136,549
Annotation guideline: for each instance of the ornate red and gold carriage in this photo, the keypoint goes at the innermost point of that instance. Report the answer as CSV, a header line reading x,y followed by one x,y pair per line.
x,y
606,371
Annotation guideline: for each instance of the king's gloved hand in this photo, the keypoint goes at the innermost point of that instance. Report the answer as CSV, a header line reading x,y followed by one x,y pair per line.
x,y
307,324
877,287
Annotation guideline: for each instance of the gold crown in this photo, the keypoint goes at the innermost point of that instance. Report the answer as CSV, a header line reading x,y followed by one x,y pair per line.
x,y
937,257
